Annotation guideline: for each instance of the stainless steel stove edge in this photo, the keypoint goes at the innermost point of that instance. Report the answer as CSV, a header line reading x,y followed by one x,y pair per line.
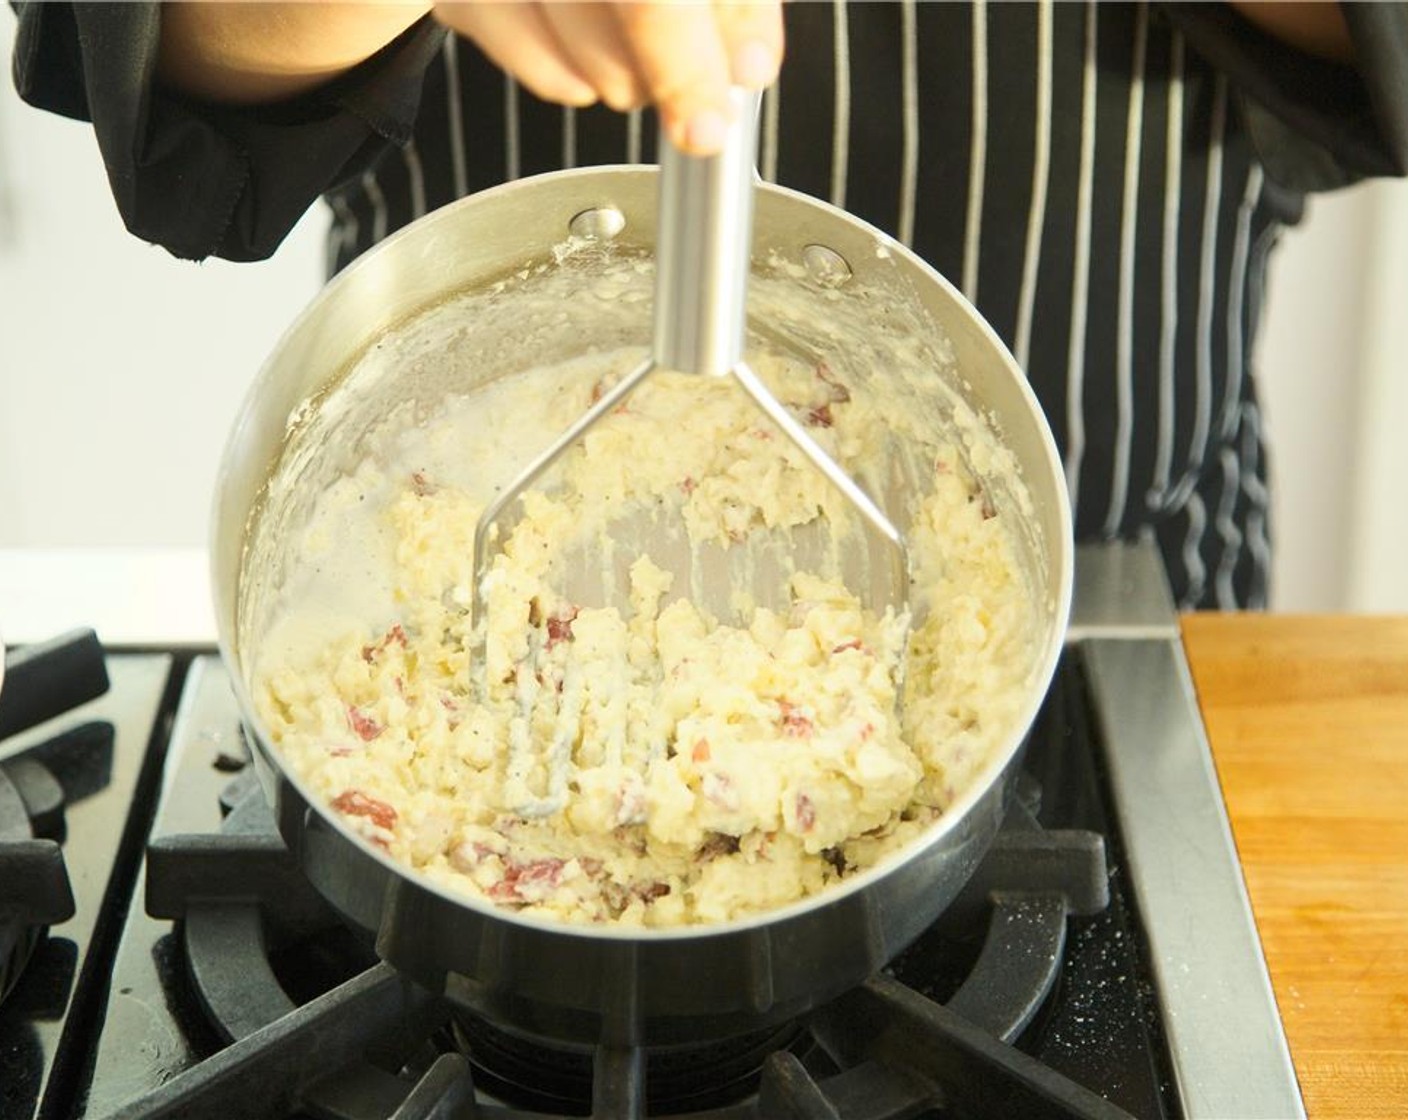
x,y
1121,592
1229,1052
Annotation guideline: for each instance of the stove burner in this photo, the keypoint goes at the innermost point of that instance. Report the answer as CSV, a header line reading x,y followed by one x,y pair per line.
x,y
40,682
34,888
49,678
559,1080
373,1043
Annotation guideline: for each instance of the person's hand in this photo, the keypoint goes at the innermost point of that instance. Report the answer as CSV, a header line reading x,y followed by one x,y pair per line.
x,y
679,55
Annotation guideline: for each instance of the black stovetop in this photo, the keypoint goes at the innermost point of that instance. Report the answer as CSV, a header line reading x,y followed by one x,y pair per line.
x,y
110,1013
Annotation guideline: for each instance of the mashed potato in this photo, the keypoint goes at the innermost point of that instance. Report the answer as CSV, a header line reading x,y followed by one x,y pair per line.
x,y
656,765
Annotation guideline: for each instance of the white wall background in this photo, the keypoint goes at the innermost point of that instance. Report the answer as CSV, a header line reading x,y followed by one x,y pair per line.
x,y
121,369
1377,578
1333,363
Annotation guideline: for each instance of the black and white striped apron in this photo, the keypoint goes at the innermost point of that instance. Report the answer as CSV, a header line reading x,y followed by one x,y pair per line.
x,y
1078,172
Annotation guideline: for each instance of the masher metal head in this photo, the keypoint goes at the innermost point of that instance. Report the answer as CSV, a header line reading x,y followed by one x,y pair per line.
x,y
702,259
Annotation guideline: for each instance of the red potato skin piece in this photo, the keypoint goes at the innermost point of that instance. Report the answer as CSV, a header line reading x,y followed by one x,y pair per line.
x,y
547,871
395,636
794,724
806,813
355,803
363,726
560,627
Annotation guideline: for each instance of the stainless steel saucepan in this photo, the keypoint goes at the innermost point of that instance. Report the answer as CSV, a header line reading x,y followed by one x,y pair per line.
x,y
833,282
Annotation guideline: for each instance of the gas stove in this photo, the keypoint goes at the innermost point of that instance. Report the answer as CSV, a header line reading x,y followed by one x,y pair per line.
x,y
1102,963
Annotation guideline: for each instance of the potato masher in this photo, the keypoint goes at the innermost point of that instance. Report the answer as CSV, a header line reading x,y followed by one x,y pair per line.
x,y
702,259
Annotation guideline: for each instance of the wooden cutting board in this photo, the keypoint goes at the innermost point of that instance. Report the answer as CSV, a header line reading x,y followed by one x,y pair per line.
x,y
1308,719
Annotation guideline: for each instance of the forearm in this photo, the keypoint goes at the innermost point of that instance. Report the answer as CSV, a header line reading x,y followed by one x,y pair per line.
x,y
1313,27
252,53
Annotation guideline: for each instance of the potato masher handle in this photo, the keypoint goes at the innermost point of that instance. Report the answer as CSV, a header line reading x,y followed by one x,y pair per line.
x,y
704,240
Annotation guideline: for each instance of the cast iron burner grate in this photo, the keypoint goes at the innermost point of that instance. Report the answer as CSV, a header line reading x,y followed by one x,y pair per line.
x,y
679,1080
34,887
362,1041
41,681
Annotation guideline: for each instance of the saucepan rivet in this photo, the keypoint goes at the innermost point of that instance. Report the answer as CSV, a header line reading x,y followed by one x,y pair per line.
x,y
601,223
826,266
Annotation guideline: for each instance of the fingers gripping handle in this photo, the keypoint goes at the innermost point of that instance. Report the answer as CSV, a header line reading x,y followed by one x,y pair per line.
x,y
703,244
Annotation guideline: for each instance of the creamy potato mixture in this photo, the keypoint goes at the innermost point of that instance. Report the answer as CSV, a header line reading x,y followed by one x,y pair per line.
x,y
680,759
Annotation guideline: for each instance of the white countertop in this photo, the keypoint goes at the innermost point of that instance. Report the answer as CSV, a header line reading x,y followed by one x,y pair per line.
x,y
129,596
